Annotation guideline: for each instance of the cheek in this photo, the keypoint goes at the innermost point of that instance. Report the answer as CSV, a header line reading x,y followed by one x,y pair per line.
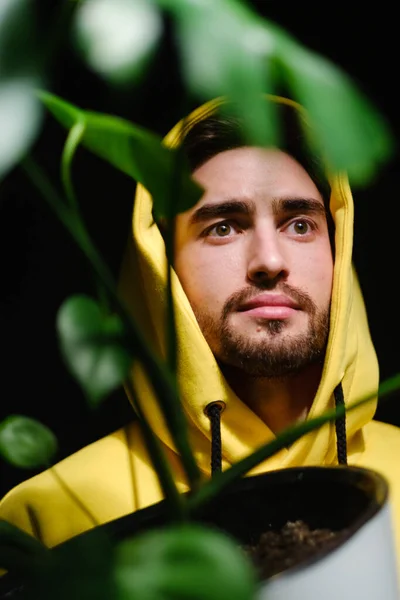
x,y
319,274
206,279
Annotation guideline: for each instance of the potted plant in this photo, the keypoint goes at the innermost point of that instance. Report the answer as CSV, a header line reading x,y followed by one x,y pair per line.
x,y
83,327
306,532
310,532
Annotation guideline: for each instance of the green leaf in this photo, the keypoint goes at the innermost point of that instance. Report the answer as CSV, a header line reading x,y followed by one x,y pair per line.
x,y
26,443
131,149
352,135
223,47
18,38
117,38
188,561
80,568
228,50
92,344
20,120
20,110
19,550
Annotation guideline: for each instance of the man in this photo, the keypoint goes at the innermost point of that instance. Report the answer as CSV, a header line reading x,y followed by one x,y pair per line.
x,y
271,329
255,260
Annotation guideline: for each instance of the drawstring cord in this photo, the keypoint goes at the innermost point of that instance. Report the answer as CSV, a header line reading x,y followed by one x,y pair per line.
x,y
214,410
340,426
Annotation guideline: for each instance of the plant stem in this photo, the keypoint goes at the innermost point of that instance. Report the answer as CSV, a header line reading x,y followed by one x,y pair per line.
x,y
175,192
75,498
73,140
163,383
169,248
175,500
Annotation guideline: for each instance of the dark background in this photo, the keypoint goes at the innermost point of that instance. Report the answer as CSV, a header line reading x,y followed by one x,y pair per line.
x,y
40,265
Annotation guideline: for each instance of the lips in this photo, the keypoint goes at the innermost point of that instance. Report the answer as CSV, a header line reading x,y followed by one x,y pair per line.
x,y
269,300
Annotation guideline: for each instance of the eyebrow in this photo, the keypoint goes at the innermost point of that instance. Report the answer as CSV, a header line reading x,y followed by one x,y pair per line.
x,y
222,209
295,205
229,207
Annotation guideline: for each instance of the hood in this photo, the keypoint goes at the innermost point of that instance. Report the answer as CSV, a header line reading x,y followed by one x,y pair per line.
x,y
350,358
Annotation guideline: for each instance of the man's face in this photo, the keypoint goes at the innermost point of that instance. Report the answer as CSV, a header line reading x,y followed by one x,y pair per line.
x,y
255,261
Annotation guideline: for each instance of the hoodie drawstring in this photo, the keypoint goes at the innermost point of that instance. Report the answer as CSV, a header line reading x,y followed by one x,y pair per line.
x,y
214,410
340,426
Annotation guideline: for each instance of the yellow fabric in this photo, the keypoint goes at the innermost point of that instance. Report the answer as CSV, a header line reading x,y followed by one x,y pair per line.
x,y
113,476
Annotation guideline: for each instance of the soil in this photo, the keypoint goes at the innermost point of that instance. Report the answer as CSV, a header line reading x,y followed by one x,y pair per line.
x,y
276,551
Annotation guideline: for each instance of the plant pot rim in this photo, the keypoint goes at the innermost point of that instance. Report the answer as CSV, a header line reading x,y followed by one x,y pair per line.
x,y
371,482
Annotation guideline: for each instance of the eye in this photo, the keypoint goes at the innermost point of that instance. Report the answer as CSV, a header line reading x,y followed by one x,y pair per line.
x,y
220,230
223,229
301,227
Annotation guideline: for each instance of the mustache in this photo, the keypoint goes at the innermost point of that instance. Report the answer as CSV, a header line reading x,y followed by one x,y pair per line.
x,y
245,295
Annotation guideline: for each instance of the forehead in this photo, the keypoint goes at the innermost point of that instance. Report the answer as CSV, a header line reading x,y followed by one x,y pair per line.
x,y
253,173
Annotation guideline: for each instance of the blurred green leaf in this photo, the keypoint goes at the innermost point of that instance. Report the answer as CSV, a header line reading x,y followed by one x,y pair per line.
x,y
351,133
131,149
228,50
223,47
92,344
18,38
187,561
20,550
79,569
118,38
20,120
26,443
20,110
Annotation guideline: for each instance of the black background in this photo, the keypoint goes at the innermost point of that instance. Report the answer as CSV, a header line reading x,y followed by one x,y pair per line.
x,y
40,265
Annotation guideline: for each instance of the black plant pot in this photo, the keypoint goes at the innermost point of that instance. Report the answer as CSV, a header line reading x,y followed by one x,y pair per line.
x,y
359,563
336,498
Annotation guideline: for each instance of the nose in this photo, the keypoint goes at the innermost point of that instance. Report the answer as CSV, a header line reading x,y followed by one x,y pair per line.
x,y
266,257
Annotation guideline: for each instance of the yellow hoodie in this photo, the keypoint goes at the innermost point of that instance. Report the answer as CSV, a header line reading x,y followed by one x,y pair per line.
x,y
113,476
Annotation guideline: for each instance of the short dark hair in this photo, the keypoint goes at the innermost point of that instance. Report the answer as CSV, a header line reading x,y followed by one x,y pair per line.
x,y
222,131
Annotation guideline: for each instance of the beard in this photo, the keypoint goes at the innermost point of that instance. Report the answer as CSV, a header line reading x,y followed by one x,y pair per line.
x,y
275,353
